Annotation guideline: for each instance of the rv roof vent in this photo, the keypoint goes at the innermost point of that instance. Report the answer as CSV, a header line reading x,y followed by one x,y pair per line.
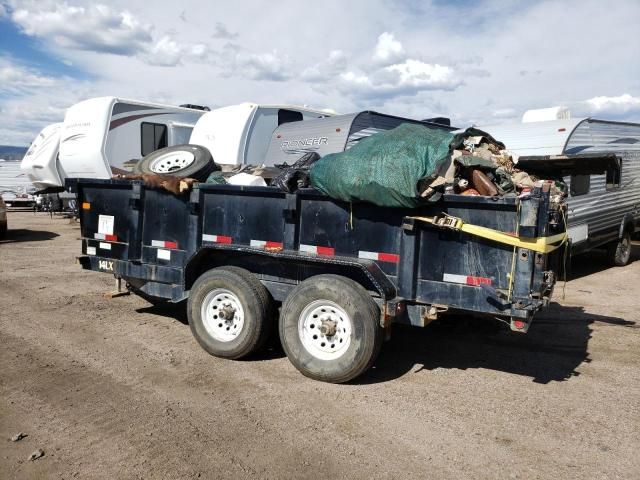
x,y
195,107
440,120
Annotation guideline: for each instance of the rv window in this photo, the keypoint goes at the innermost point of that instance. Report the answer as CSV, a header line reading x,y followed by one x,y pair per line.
x,y
613,177
580,185
288,116
153,137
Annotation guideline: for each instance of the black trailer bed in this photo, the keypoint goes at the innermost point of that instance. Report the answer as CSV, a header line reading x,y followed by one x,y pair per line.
x,y
161,243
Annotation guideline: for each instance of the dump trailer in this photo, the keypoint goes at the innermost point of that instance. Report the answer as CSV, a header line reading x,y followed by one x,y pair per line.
x,y
340,273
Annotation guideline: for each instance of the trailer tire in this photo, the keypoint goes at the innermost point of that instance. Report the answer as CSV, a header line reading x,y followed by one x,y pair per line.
x,y
620,251
228,312
342,307
193,161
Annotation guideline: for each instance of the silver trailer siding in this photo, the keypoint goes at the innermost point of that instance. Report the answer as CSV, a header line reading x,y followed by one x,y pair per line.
x,y
608,205
330,134
603,207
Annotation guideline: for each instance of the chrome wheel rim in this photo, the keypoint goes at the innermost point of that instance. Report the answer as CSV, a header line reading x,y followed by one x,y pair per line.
x,y
222,315
325,329
172,161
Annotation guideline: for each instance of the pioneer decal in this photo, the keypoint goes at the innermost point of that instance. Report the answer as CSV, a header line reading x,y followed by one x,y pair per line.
x,y
311,143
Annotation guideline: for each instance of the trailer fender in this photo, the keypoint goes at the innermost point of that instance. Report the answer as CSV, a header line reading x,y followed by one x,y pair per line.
x,y
250,258
627,225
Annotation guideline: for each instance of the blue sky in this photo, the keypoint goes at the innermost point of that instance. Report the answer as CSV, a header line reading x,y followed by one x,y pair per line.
x,y
478,62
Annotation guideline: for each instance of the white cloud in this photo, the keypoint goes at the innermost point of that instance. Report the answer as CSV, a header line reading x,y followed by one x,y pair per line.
x,y
614,106
263,66
475,61
103,29
420,75
328,69
388,50
16,79
3,10
167,52
221,31
402,79
96,28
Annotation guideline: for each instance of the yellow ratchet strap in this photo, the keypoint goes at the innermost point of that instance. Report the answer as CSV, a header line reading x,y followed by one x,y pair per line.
x,y
537,244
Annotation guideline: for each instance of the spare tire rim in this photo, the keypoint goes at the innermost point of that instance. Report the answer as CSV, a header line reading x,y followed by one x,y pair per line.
x,y
222,315
172,161
325,329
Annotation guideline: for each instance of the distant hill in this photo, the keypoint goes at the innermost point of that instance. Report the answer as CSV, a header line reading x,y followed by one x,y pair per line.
x,y
8,152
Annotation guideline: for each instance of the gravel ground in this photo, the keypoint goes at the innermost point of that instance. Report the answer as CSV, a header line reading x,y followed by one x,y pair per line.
x,y
119,388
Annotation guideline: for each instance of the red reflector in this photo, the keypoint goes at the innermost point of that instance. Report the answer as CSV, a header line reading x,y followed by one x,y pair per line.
x,y
170,245
222,239
519,324
326,250
274,245
388,257
562,129
111,238
478,281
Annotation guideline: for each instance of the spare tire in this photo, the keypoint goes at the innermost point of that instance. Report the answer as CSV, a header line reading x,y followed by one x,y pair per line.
x,y
192,161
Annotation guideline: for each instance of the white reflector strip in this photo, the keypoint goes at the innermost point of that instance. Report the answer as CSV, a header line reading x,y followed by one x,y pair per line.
x,y
157,243
466,279
318,250
99,236
105,246
267,244
379,256
91,250
217,238
164,254
308,248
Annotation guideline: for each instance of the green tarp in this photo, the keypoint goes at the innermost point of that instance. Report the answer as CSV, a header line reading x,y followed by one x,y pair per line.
x,y
385,168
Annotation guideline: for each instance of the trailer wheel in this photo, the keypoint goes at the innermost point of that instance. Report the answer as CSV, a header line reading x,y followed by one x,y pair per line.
x,y
620,251
192,161
330,328
228,312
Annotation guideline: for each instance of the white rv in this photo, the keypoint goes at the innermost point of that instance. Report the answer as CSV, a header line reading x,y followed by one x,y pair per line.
x,y
101,134
229,136
105,135
40,163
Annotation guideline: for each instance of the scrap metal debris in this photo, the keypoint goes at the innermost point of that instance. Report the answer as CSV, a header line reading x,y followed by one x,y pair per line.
x,y
173,184
18,436
35,455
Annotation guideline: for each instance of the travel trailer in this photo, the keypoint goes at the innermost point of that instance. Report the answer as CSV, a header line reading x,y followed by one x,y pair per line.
x,y
107,135
604,208
101,134
334,134
40,163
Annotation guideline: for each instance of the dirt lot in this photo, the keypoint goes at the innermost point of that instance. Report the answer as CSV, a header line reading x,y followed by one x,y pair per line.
x,y
119,388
